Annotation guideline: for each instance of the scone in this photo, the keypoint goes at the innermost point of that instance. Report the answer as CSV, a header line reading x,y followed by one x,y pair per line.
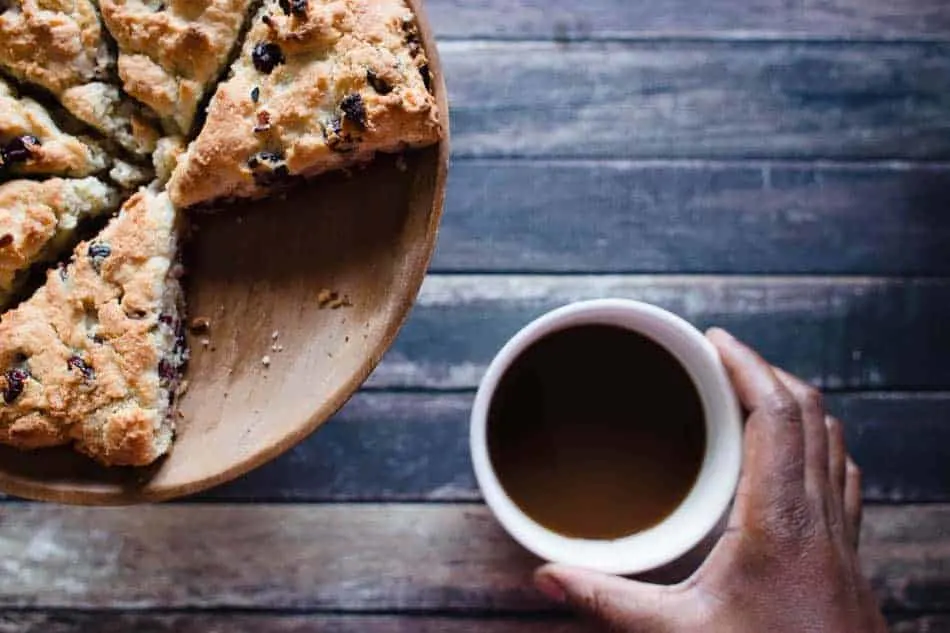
x,y
94,357
38,222
171,53
32,143
319,85
60,46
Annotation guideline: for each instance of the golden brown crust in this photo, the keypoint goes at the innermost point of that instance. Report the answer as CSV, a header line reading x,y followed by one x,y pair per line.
x,y
32,143
170,53
331,87
38,221
59,45
91,358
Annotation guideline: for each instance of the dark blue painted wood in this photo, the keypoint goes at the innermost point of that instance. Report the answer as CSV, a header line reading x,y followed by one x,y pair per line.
x,y
700,100
850,333
414,447
685,217
597,19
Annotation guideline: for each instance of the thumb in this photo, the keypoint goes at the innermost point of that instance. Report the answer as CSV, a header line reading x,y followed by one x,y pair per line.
x,y
620,604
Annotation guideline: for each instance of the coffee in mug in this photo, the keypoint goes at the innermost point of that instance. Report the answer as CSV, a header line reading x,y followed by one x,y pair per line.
x,y
606,434
596,432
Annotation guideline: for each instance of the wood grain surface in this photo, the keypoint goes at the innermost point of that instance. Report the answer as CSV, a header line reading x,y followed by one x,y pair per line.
x,y
856,333
674,99
353,558
414,447
566,20
560,216
119,622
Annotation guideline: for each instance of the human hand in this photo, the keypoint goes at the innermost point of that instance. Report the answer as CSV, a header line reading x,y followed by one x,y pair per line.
x,y
787,562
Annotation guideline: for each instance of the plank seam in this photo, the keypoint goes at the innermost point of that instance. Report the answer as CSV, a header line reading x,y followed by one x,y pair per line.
x,y
725,37
705,163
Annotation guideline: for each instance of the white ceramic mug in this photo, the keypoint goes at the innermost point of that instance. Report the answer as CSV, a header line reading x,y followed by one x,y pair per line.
x,y
705,505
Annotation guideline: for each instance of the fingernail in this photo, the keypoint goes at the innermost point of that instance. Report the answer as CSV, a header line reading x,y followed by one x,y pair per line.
x,y
550,588
720,332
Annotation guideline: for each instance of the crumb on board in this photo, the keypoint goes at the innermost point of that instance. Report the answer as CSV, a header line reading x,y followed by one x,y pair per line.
x,y
327,298
266,361
275,335
206,343
200,325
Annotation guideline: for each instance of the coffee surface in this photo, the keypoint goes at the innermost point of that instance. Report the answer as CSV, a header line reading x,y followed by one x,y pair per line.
x,y
597,432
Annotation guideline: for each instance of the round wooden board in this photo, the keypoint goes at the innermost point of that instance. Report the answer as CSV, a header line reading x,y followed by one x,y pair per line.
x,y
256,270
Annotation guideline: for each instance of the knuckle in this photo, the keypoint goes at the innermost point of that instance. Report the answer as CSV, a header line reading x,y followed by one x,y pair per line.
x,y
780,404
597,603
813,400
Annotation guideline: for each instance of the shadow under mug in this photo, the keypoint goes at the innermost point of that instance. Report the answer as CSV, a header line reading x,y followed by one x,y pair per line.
x,y
699,515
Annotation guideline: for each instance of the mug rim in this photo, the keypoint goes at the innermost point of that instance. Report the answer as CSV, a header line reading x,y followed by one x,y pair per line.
x,y
697,516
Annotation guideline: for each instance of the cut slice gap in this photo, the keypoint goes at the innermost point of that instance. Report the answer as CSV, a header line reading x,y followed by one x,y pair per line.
x,y
112,392
317,87
201,114
39,222
109,159
171,54
31,142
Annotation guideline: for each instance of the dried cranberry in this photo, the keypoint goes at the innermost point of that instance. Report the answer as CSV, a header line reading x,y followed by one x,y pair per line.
x,y
263,122
271,157
15,383
167,371
267,56
379,84
354,109
279,174
18,150
97,254
426,76
297,8
167,319
412,31
76,362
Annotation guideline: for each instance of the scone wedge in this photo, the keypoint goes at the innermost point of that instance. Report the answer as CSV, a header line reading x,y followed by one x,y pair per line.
x,y
170,53
61,46
319,85
94,357
39,220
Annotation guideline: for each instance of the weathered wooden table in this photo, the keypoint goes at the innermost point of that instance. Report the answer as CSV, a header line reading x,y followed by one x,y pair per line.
x,y
780,167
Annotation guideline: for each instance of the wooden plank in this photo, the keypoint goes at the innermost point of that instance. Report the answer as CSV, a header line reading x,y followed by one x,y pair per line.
x,y
78,622
854,333
144,622
688,217
414,447
566,20
700,100
349,558
921,624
